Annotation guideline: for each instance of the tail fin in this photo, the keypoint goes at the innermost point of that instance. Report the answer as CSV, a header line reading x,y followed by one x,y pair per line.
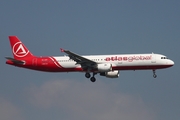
x,y
19,50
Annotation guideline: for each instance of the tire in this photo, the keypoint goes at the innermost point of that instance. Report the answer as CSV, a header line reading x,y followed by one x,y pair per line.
x,y
154,75
87,75
93,79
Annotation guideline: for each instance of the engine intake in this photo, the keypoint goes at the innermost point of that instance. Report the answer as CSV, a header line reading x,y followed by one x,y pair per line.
x,y
111,74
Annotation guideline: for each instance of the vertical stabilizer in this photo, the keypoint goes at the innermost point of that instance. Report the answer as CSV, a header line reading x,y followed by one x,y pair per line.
x,y
19,50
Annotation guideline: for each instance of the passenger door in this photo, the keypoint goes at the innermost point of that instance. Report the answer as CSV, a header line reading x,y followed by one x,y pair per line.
x,y
153,60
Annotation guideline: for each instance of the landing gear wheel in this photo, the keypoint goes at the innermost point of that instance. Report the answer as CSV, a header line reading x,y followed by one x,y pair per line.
x,y
93,79
154,74
87,75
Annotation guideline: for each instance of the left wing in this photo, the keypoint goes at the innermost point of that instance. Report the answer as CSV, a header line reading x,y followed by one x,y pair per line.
x,y
84,62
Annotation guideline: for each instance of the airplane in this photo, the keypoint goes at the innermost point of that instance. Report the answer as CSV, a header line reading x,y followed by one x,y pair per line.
x,y
105,65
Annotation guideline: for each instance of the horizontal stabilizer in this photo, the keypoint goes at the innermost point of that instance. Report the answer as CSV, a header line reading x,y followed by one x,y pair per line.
x,y
15,61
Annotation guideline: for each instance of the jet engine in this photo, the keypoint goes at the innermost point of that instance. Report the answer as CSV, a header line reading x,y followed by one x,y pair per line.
x,y
104,67
111,74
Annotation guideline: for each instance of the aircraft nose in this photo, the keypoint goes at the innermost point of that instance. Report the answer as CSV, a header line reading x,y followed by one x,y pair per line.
x,y
171,62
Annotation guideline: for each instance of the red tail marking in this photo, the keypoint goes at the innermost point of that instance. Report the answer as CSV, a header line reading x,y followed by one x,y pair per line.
x,y
19,50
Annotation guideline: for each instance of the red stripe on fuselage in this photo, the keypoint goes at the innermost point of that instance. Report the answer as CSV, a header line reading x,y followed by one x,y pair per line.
x,y
55,62
114,68
50,64
152,67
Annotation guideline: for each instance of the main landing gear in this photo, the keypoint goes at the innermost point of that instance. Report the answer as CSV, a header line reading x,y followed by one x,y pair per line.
x,y
88,75
154,74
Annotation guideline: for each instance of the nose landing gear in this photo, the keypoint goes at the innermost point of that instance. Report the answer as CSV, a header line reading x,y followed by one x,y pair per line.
x,y
154,74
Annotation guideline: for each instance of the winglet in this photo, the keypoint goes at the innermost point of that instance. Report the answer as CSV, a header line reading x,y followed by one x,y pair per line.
x,y
62,50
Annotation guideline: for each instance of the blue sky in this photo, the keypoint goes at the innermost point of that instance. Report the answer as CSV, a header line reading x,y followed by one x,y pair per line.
x,y
90,27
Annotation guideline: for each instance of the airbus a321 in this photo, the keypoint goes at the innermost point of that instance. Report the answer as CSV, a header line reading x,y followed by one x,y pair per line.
x,y
105,65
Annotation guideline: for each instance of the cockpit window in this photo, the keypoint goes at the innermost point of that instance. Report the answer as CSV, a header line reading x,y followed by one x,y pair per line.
x,y
164,58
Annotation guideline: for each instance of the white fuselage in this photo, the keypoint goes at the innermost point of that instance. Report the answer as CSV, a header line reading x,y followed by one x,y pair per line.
x,y
105,65
124,60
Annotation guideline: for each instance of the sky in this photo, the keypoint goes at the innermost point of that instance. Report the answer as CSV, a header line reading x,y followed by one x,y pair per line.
x,y
90,27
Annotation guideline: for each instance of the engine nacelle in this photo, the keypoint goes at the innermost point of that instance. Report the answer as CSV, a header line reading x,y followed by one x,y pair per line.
x,y
111,74
104,67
